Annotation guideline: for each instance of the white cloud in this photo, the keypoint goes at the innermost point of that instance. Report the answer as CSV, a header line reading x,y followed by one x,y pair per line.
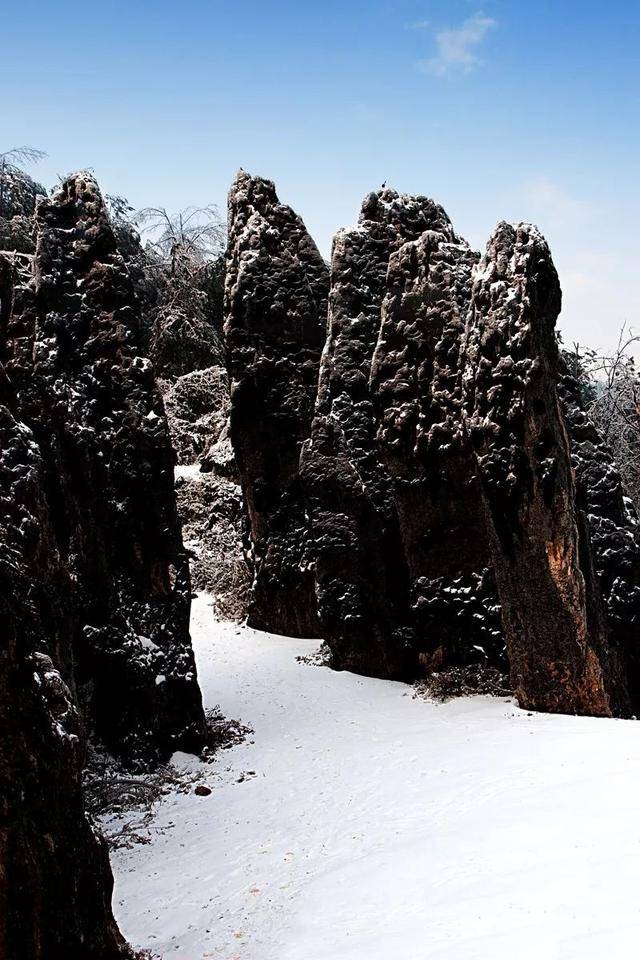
x,y
457,46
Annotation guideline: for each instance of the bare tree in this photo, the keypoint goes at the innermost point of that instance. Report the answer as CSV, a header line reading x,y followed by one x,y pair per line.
x,y
610,386
120,210
183,267
12,163
195,235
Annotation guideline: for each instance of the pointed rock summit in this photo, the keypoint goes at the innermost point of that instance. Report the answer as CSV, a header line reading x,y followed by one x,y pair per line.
x,y
95,591
416,380
553,618
275,325
362,577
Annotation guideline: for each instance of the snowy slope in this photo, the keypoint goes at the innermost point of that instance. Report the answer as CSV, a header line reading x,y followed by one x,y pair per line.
x,y
381,827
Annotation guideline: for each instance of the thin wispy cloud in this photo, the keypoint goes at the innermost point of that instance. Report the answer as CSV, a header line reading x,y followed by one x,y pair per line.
x,y
457,47
552,205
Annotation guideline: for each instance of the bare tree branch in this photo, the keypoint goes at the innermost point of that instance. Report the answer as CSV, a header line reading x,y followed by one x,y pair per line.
x,y
194,234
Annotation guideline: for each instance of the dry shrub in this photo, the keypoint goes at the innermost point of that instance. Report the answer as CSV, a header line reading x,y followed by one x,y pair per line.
x,y
463,681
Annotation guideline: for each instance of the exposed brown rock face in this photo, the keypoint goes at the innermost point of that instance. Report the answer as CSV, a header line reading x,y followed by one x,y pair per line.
x,y
362,580
55,880
416,382
553,616
276,302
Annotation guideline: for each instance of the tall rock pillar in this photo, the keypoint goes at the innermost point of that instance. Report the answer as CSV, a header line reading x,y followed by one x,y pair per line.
x,y
553,618
275,322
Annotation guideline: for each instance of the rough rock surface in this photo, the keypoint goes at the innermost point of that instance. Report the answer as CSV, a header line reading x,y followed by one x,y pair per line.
x,y
275,322
362,581
197,405
208,493
553,615
55,880
614,534
196,394
211,512
417,388
90,399
95,590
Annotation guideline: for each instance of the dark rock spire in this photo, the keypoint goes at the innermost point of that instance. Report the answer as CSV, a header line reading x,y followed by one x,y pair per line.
x,y
553,617
611,524
55,880
95,590
90,398
362,580
275,322
416,382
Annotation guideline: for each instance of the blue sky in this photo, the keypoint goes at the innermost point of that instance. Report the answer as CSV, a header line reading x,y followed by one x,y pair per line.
x,y
516,110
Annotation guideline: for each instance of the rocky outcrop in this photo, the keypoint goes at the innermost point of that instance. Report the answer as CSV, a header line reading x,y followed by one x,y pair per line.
x,y
362,579
614,538
445,527
55,880
417,390
188,350
197,406
553,614
95,583
90,399
211,512
208,493
275,320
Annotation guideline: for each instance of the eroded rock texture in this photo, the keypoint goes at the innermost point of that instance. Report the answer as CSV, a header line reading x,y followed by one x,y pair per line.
x,y
208,492
362,580
417,388
90,399
276,301
55,880
95,588
614,536
553,615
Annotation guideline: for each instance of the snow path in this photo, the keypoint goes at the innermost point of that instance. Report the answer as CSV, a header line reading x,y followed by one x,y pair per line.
x,y
379,827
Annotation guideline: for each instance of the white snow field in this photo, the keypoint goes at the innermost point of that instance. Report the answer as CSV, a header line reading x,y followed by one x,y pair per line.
x,y
382,827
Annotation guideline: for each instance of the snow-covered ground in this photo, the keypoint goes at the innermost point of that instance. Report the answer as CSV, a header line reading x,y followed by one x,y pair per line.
x,y
376,826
